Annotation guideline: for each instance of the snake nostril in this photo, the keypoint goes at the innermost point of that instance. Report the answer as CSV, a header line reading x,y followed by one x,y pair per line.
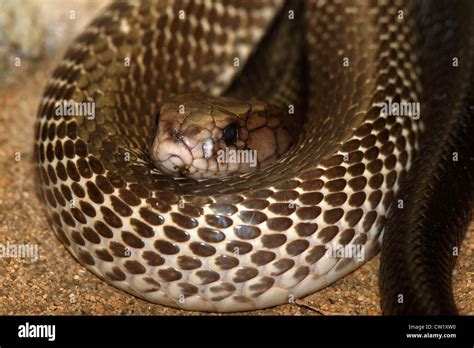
x,y
176,134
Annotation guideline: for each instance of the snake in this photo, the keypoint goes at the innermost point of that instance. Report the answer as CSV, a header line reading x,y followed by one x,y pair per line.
x,y
217,137
319,208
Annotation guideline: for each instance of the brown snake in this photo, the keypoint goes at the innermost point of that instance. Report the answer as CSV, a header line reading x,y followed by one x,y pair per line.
x,y
256,239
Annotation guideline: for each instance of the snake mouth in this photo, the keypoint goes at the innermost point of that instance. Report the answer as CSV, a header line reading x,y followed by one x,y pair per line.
x,y
171,155
178,164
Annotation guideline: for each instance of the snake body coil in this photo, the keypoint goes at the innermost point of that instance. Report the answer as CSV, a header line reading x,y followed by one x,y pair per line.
x,y
261,238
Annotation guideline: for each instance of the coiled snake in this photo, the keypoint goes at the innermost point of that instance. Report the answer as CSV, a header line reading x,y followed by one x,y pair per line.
x,y
257,239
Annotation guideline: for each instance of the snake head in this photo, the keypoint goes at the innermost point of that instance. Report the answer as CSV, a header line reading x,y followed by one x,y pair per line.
x,y
202,137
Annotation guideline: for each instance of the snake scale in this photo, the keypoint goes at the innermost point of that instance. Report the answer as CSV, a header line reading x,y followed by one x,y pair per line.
x,y
261,238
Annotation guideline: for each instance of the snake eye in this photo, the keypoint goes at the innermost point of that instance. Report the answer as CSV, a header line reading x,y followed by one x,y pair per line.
x,y
230,134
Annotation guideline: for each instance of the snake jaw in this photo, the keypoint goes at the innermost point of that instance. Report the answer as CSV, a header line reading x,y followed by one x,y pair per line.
x,y
171,155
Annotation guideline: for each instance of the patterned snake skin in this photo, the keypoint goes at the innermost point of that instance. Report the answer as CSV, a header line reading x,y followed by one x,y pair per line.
x,y
258,239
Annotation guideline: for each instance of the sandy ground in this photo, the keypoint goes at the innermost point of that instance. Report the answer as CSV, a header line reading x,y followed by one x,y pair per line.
x,y
57,284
